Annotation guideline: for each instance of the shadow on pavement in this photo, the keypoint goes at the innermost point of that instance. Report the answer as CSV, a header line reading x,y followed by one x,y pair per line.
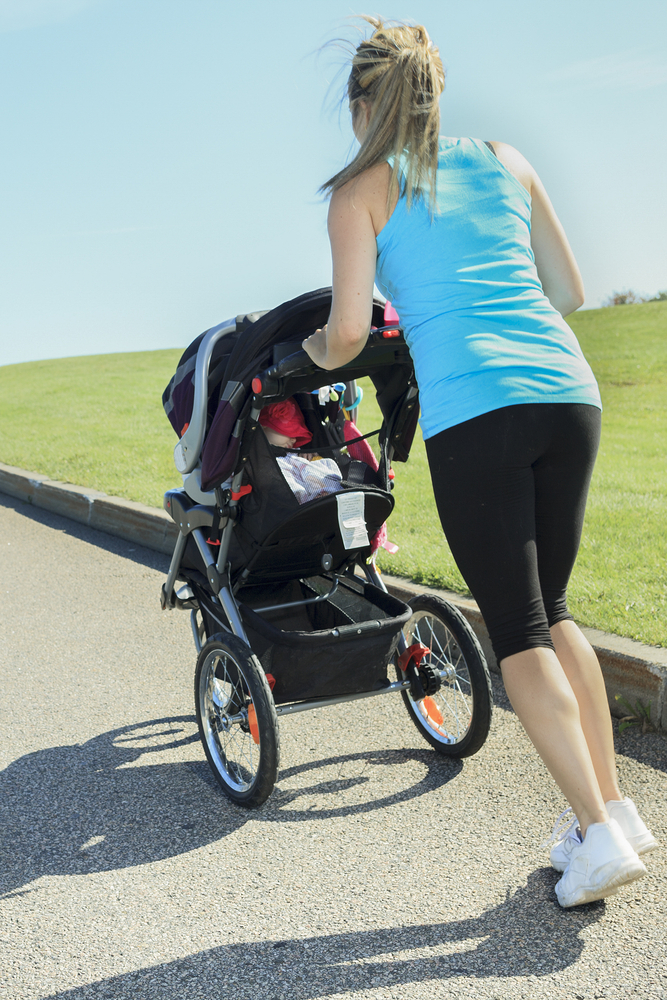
x,y
526,935
97,806
281,805
649,749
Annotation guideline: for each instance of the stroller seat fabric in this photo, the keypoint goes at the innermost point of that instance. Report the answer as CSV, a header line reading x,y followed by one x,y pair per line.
x,y
278,538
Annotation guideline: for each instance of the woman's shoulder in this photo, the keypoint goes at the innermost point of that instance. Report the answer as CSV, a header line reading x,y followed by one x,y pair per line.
x,y
369,189
516,163
366,184
464,149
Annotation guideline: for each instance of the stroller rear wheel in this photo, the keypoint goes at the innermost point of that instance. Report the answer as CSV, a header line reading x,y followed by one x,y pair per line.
x,y
237,719
455,720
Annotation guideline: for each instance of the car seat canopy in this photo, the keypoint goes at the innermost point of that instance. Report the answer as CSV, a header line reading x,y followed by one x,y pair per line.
x,y
252,344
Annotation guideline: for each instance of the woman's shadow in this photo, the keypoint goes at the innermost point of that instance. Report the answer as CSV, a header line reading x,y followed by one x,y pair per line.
x,y
525,935
114,803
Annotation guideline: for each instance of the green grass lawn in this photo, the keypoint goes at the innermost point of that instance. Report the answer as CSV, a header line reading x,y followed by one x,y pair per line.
x,y
95,421
98,421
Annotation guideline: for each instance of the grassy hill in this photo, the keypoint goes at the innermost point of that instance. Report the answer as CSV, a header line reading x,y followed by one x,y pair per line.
x,y
98,421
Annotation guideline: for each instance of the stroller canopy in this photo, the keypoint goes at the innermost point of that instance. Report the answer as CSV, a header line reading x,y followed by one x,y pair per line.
x,y
257,342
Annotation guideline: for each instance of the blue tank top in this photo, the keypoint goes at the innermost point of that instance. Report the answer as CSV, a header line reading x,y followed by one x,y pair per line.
x,y
481,331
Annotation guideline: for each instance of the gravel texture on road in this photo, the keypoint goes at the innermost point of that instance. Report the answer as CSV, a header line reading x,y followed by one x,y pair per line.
x,y
377,869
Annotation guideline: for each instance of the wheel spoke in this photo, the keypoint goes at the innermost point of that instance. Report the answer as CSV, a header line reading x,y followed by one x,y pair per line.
x,y
243,742
455,697
455,712
435,636
233,749
464,694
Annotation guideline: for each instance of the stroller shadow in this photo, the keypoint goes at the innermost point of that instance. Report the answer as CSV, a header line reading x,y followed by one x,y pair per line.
x,y
525,935
104,804
281,805
73,810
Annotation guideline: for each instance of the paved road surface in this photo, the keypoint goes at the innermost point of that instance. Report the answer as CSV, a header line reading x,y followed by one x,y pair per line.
x,y
376,870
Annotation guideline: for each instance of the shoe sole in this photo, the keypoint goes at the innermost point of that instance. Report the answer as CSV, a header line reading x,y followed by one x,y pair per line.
x,y
610,878
641,844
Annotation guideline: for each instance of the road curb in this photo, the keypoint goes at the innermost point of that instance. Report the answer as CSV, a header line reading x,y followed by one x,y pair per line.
x,y
632,669
135,522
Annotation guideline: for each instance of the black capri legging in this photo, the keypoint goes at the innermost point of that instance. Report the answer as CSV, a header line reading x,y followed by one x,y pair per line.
x,y
511,488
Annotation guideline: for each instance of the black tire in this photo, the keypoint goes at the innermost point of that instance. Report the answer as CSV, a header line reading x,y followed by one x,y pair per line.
x,y
465,699
229,682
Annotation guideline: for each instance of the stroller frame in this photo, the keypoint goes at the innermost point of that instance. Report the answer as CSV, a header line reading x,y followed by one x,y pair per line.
x,y
423,668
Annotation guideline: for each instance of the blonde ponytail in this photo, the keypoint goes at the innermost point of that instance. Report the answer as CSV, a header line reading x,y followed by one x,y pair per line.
x,y
398,74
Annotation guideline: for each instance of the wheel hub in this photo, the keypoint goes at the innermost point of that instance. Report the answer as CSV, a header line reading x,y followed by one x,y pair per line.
x,y
430,678
225,722
448,674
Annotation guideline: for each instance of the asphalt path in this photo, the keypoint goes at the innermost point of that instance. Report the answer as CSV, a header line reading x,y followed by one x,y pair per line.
x,y
377,869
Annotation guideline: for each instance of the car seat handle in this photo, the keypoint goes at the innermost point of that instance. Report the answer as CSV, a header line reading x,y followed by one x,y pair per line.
x,y
188,449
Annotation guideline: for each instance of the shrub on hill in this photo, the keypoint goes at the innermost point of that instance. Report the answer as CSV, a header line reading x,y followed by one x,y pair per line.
x,y
629,298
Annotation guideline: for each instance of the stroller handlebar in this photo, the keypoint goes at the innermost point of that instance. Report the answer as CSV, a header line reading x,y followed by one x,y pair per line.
x,y
291,364
268,383
271,381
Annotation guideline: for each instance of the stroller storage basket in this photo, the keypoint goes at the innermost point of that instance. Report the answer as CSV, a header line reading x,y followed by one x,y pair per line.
x,y
339,646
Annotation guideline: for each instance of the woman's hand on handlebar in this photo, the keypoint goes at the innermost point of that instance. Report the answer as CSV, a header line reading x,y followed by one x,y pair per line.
x,y
315,346
330,350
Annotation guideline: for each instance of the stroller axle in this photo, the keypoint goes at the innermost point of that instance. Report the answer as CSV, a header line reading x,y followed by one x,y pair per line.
x,y
396,687
305,706
227,721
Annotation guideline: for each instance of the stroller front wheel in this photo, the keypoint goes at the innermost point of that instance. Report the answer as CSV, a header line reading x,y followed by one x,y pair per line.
x,y
237,719
455,720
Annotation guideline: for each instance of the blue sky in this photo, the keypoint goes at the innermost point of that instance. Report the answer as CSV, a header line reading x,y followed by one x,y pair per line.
x,y
162,157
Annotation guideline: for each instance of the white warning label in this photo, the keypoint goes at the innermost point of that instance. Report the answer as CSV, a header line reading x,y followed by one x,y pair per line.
x,y
351,520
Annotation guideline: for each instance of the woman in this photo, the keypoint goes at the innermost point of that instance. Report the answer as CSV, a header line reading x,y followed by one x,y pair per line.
x,y
461,236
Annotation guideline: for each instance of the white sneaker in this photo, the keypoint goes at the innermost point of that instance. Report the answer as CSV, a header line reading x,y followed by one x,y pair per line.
x,y
634,829
566,834
598,865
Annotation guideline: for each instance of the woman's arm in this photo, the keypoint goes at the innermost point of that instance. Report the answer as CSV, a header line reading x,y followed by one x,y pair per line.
x,y
354,253
556,266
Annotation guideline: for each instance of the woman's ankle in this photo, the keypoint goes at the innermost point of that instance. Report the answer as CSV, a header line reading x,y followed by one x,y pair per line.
x,y
587,819
611,792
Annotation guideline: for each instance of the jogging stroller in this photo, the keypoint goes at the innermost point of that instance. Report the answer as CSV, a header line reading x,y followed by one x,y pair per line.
x,y
288,609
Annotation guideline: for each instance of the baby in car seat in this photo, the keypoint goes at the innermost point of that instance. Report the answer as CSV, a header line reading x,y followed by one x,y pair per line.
x,y
307,477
